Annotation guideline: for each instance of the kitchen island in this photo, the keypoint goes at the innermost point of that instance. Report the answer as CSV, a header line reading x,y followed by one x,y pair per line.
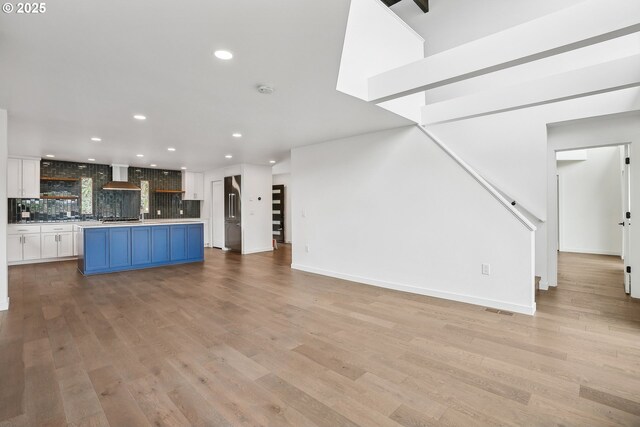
x,y
111,247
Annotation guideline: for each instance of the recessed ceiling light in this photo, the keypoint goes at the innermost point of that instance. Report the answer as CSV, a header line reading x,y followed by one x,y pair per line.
x,y
51,156
139,155
237,135
153,165
92,160
223,54
96,139
183,168
228,156
140,117
171,149
272,161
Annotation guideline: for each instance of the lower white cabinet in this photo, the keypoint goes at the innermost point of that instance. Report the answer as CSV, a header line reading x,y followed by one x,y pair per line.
x,y
57,245
14,247
75,244
30,247
65,244
49,245
23,243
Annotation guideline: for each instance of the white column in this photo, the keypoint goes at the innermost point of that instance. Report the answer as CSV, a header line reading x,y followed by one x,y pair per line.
x,y
4,279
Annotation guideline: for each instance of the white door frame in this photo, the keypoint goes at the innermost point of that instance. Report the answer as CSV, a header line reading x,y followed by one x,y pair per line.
x,y
553,210
213,214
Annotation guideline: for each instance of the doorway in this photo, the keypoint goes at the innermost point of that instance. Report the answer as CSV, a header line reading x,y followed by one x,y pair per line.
x,y
593,199
217,214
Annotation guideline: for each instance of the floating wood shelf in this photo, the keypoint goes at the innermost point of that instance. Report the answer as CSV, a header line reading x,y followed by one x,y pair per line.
x,y
169,191
60,197
48,178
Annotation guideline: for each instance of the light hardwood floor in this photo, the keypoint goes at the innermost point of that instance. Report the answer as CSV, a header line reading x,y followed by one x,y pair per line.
x,y
246,341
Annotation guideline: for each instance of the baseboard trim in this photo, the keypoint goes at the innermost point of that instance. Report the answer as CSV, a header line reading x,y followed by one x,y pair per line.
x,y
4,305
590,251
255,251
43,260
543,286
484,302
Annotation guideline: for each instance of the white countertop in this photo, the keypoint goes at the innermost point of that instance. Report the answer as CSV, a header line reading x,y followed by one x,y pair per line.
x,y
147,222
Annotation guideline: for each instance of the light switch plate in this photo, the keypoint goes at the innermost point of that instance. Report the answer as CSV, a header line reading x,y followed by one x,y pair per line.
x,y
486,269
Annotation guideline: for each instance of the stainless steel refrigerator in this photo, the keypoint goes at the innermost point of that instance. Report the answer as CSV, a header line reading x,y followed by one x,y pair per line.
x,y
232,213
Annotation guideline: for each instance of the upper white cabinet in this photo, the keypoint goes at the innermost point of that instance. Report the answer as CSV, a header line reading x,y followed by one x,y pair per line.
x,y
23,178
192,185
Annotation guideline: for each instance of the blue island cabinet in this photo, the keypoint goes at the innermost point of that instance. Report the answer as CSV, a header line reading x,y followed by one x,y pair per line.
x,y
110,249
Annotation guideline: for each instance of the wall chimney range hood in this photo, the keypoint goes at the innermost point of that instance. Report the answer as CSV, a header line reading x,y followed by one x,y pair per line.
x,y
120,182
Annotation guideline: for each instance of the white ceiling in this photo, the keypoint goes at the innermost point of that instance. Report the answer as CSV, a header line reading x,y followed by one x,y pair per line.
x,y
84,68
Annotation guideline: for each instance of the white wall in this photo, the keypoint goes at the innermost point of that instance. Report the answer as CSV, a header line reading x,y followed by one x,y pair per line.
x,y
591,203
4,218
257,206
451,23
285,179
510,150
367,51
392,209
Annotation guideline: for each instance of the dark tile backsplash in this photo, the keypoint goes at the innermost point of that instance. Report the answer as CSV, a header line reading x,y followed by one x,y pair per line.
x,y
106,203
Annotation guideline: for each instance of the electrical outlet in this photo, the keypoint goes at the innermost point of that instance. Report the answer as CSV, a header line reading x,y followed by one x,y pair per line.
x,y
304,213
181,212
159,213
68,214
486,269
306,248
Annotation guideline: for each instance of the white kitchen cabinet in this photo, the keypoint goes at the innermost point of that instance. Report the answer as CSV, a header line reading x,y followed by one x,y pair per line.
x,y
31,247
14,178
57,241
23,178
30,179
192,185
75,243
14,247
49,245
23,243
65,244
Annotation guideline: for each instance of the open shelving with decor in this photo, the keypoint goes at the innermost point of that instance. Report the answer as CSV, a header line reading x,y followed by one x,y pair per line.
x,y
169,191
42,196
49,178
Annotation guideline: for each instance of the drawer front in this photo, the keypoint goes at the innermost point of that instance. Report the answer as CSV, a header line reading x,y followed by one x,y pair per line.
x,y
22,229
57,228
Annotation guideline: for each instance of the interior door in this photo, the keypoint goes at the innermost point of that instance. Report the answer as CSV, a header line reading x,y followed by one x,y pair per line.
x,y
217,212
626,234
277,218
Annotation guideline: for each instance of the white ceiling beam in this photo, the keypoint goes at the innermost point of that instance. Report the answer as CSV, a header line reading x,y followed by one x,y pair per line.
x,y
584,24
607,77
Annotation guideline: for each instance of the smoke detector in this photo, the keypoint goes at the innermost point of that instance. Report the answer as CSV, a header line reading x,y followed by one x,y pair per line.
x,y
265,90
